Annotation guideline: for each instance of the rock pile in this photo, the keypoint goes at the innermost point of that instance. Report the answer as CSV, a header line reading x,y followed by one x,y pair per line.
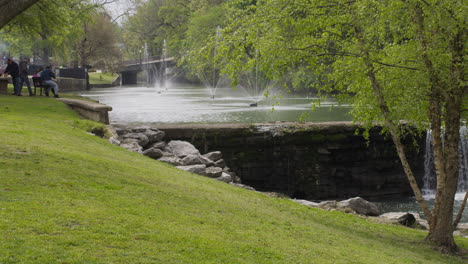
x,y
149,141
355,205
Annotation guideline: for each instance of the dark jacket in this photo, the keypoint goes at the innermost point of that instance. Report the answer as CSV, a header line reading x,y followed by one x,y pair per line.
x,y
12,69
47,75
23,68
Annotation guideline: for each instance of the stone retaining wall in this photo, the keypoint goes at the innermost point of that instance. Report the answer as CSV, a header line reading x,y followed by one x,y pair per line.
x,y
308,161
71,84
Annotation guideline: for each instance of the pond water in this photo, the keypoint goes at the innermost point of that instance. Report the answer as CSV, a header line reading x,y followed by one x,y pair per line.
x,y
194,104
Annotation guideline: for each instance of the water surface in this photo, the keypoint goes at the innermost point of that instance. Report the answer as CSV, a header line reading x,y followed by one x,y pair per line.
x,y
194,104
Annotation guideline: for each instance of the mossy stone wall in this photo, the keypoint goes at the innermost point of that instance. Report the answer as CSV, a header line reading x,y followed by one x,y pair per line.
x,y
309,161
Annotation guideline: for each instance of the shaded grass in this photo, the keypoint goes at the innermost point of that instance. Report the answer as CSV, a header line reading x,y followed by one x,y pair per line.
x,y
70,197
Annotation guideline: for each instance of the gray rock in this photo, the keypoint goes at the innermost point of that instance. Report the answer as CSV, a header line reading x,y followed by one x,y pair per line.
x,y
160,145
182,148
197,169
172,160
113,136
214,156
132,145
306,203
140,129
192,160
114,141
153,153
207,161
168,154
140,137
399,218
220,164
121,130
242,186
214,172
225,178
226,169
361,206
155,135
462,227
327,205
236,178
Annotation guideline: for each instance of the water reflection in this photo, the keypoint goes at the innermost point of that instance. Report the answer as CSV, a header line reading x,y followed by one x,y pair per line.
x,y
192,104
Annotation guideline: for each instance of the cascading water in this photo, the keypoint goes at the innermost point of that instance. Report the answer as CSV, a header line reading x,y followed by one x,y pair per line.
x,y
429,178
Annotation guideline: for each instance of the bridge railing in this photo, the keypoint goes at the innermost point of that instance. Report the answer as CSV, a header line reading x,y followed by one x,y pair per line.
x,y
142,60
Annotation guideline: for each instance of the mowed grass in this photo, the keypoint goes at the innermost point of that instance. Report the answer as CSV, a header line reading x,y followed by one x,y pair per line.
x,y
69,197
101,78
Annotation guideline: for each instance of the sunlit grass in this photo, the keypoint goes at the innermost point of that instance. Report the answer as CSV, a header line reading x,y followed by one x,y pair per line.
x,y
69,197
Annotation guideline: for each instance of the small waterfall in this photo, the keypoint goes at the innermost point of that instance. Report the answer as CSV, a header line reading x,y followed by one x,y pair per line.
x,y
463,164
429,179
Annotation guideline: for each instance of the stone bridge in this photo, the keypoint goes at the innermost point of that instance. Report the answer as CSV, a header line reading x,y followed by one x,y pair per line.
x,y
154,64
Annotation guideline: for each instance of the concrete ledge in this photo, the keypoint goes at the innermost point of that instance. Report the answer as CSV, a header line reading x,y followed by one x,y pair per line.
x,y
94,111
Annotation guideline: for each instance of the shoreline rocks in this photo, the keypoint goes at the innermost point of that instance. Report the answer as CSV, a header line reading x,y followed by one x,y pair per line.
x,y
149,141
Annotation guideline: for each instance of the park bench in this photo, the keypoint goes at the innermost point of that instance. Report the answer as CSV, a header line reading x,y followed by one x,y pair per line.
x,y
38,83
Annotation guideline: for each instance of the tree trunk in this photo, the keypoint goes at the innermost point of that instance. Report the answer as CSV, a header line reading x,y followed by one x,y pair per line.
x,y
446,99
441,233
10,9
389,123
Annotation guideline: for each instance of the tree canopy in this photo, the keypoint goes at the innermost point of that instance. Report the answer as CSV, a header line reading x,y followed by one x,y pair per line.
x,y
10,9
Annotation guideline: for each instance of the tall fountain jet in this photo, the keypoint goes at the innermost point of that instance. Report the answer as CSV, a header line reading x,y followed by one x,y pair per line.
x,y
163,68
146,64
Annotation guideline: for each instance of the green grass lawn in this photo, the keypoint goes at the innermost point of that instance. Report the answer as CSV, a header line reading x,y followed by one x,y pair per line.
x,y
69,197
101,78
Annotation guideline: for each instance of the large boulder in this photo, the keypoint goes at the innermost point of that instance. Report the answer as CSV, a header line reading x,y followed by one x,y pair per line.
x,y
225,177
160,145
220,164
406,219
360,206
172,160
139,137
197,169
192,160
214,156
153,153
121,130
214,172
132,145
182,148
207,161
154,135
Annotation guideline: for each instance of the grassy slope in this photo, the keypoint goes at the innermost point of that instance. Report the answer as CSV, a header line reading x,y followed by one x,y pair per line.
x,y
107,78
69,197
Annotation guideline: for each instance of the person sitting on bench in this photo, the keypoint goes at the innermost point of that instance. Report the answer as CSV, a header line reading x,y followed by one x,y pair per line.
x,y
47,75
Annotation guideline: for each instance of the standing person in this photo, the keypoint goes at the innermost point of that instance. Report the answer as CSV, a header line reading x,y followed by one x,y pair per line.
x,y
47,76
13,70
23,72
